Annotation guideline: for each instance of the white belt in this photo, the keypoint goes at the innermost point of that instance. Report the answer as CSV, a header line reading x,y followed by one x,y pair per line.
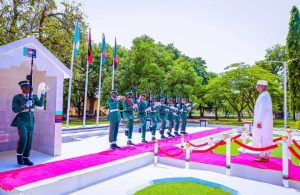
x,y
114,110
27,110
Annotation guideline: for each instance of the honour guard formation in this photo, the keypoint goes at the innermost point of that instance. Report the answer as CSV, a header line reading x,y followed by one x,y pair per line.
x,y
151,110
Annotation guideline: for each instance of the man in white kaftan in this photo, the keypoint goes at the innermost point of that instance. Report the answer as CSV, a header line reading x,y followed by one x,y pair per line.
x,y
263,121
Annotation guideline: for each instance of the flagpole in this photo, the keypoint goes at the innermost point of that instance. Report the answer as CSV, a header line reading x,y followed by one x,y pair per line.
x,y
85,92
99,91
113,76
70,88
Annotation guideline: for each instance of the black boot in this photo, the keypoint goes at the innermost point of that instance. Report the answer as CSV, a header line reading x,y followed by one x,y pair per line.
x,y
176,134
20,160
129,143
153,138
126,132
27,161
184,133
144,141
170,135
162,136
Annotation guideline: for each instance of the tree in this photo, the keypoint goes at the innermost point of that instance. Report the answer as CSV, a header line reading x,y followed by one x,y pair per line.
x,y
237,87
293,53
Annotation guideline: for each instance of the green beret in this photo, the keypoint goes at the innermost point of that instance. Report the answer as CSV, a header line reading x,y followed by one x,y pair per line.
x,y
128,92
113,91
22,83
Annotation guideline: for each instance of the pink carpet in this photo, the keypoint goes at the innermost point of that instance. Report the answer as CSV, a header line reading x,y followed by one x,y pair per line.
x,y
242,159
19,177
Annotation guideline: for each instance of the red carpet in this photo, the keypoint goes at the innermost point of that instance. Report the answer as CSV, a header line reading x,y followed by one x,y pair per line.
x,y
19,177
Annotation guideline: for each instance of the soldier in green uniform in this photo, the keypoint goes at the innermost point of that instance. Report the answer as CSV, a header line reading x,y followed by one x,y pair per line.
x,y
142,106
170,117
152,116
177,116
184,109
24,120
128,106
114,118
162,114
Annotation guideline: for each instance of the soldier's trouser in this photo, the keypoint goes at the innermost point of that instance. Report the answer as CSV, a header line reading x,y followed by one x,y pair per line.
x,y
129,120
177,122
153,125
25,140
183,124
163,126
171,124
143,121
113,131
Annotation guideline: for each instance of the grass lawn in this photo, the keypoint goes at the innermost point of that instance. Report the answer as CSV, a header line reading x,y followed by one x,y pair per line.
x,y
278,123
181,188
77,122
277,152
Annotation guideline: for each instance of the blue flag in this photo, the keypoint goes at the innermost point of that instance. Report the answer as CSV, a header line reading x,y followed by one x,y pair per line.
x,y
76,39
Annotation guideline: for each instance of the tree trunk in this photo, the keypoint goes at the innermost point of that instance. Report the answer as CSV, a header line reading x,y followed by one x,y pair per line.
x,y
92,107
239,116
216,114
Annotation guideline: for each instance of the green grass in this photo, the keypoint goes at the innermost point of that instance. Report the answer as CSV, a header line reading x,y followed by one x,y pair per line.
x,y
278,123
277,152
181,188
76,122
234,149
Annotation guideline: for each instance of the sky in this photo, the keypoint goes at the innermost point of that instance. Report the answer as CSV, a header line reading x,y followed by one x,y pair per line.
x,y
222,32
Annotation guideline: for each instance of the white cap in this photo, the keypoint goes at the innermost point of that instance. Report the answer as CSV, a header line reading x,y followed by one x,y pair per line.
x,y
262,82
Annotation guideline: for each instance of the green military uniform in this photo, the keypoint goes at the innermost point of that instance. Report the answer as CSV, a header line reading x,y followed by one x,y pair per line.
x,y
153,118
114,118
162,115
143,119
170,118
24,120
177,116
128,114
183,118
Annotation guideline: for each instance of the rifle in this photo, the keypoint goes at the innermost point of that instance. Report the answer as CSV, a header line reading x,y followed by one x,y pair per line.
x,y
32,53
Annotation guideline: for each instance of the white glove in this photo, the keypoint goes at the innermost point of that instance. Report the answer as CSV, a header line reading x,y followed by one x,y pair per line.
x,y
43,92
172,107
188,104
167,110
181,110
28,103
148,109
157,104
189,108
135,106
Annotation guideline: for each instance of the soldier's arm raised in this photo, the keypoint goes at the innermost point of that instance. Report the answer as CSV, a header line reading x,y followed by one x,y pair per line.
x,y
39,102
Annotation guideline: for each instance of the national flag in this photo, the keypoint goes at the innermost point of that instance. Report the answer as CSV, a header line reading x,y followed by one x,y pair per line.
x,y
116,61
76,39
29,52
103,50
90,51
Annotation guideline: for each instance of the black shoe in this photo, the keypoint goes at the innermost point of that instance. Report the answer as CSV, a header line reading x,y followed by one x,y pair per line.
x,y
184,133
162,136
153,138
140,130
27,162
126,132
116,146
176,134
129,143
170,135
20,160
113,146
144,141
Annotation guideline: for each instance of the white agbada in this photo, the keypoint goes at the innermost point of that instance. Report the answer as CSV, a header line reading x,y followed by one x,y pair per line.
x,y
263,114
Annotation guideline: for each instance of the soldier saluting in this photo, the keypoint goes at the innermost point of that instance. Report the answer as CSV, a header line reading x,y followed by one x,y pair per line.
x,y
24,104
